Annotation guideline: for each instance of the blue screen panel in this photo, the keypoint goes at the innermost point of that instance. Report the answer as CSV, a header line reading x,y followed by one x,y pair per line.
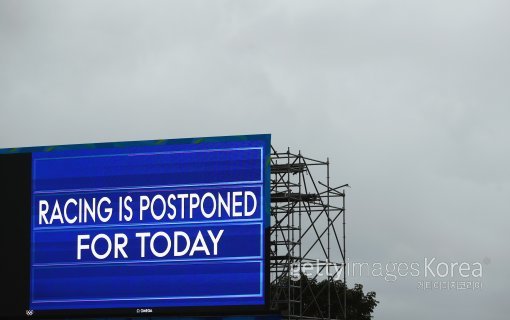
x,y
134,225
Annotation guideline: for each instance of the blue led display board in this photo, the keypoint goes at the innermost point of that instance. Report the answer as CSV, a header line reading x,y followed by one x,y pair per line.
x,y
148,227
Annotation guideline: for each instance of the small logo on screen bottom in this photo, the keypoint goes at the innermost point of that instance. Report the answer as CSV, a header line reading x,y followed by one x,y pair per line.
x,y
143,310
29,312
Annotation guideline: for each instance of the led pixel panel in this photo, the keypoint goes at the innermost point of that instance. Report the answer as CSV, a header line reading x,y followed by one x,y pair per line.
x,y
144,227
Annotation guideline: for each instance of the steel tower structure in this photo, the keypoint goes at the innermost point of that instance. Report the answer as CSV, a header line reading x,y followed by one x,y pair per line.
x,y
307,227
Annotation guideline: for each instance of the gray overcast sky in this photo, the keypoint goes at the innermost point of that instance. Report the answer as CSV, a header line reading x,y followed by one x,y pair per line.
x,y
409,99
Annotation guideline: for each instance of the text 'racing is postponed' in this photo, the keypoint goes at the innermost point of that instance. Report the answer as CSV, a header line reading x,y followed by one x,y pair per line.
x,y
167,209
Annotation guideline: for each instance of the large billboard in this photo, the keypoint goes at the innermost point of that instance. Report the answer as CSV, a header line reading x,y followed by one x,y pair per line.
x,y
136,228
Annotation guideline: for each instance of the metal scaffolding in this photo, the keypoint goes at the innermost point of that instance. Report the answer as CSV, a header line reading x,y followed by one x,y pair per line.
x,y
307,227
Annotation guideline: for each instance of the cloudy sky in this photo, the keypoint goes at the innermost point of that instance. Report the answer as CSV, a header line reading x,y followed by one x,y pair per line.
x,y
409,99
